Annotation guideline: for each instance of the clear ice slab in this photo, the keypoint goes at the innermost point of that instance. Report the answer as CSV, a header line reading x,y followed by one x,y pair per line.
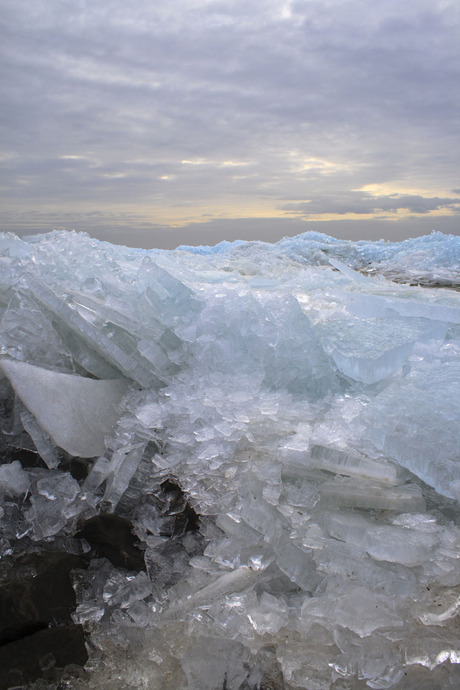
x,y
77,412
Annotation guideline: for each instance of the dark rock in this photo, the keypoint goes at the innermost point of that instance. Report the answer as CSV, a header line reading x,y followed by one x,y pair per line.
x,y
38,593
27,458
78,467
29,658
111,537
36,629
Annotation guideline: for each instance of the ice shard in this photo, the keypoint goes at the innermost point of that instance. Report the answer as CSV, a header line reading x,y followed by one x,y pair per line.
x,y
77,412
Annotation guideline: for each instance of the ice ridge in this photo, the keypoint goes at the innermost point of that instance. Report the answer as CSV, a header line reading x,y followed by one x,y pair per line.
x,y
280,425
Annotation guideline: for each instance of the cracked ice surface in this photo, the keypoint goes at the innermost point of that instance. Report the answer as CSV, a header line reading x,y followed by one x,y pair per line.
x,y
309,413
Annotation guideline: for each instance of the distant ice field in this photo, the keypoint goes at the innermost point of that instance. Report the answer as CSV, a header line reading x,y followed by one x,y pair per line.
x,y
301,399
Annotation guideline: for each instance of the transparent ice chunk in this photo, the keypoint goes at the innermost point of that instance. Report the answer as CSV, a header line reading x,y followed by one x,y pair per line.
x,y
383,542
423,435
347,493
228,583
269,615
353,465
41,440
61,487
359,610
100,342
124,591
371,350
369,306
14,481
296,564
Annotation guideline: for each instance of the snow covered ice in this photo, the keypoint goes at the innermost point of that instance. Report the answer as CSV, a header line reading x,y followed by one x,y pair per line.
x,y
280,425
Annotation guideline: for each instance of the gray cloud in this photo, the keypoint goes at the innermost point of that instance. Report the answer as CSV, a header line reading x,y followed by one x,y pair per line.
x,y
363,203
101,103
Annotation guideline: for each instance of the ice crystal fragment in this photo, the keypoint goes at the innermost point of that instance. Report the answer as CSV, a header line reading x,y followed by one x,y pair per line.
x,y
216,665
351,465
227,583
406,432
357,610
41,440
383,542
13,480
346,493
371,350
101,342
269,615
53,504
443,605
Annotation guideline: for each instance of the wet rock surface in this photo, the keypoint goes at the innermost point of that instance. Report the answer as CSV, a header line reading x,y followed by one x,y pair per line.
x,y
27,458
78,467
41,655
41,634
36,628
39,591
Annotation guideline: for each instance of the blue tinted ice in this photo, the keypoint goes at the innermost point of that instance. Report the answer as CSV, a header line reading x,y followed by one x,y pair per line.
x,y
306,397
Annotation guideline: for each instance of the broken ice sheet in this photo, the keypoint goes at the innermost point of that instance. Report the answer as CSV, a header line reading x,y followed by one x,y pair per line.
x,y
40,439
213,662
351,563
76,412
53,504
432,646
122,591
312,669
27,334
87,613
406,305
375,659
268,614
345,492
359,610
371,350
353,465
60,487
382,541
440,604
409,411
228,583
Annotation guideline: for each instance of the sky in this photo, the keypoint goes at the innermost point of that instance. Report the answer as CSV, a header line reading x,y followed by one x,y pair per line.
x,y
160,123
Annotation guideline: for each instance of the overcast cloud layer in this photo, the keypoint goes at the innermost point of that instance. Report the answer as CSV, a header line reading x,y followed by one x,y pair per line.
x,y
130,119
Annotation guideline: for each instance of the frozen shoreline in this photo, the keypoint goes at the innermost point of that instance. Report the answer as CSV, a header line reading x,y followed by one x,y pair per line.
x,y
304,413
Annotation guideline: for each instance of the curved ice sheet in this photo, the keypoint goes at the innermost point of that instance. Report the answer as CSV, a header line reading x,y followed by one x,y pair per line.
x,y
280,425
77,413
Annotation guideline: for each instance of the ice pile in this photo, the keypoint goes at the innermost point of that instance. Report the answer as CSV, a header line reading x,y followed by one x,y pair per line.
x,y
308,412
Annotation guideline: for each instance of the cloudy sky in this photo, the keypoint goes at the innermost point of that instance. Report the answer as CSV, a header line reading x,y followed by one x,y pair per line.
x,y
154,123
